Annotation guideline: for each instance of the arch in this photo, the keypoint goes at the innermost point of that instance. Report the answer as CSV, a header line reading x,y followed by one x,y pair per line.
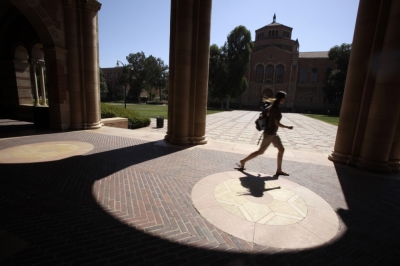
x,y
269,75
37,52
279,74
303,75
21,54
42,24
259,73
314,75
257,64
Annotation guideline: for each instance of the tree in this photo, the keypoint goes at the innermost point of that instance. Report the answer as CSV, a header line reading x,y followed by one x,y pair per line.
x,y
144,73
218,74
161,77
103,84
135,74
238,51
157,74
334,85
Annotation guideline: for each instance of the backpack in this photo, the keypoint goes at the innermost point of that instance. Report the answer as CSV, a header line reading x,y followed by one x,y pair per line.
x,y
262,121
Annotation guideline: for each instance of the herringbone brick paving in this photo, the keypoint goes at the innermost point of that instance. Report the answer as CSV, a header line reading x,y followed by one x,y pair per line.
x,y
127,202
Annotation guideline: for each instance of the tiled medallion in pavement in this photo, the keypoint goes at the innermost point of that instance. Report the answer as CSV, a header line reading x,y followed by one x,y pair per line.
x,y
44,151
264,209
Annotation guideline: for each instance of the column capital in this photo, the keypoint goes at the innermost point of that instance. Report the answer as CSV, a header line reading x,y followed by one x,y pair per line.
x,y
40,63
91,5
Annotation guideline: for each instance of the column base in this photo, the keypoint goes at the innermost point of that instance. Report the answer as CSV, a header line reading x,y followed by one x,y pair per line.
x,y
180,141
167,137
93,125
338,157
395,165
353,160
185,140
76,126
200,140
374,166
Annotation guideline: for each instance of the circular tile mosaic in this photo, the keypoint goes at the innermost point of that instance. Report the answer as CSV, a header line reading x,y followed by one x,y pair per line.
x,y
277,206
44,151
265,209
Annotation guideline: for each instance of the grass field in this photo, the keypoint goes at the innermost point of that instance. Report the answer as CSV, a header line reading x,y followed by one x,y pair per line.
x,y
152,111
333,120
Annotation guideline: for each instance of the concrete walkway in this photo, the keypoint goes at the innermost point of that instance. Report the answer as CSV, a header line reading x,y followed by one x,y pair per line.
x,y
126,197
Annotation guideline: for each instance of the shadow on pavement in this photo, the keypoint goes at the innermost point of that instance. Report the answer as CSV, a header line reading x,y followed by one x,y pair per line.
x,y
51,207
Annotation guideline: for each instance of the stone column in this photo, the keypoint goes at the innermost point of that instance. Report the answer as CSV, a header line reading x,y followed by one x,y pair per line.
x,y
381,133
90,63
200,94
75,81
56,70
42,83
394,157
33,64
171,80
366,46
189,57
83,63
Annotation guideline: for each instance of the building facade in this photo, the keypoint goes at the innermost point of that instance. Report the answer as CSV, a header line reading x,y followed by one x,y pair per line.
x,y
277,65
115,90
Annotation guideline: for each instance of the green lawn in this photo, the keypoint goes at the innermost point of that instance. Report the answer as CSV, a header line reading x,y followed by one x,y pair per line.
x,y
334,120
152,111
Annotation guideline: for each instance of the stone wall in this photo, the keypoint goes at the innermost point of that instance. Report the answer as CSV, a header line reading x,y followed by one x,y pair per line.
x,y
115,122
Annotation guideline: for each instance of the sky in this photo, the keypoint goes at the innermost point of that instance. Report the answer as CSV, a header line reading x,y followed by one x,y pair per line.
x,y
131,26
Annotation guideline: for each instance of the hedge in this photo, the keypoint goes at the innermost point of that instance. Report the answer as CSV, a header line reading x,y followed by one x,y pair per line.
x,y
135,120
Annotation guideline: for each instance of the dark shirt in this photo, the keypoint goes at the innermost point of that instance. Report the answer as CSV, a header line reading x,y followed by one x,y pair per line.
x,y
274,114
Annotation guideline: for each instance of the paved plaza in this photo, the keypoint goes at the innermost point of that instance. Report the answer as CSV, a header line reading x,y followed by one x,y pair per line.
x,y
126,197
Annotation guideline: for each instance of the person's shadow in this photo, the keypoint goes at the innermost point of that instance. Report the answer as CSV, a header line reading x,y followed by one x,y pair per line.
x,y
256,184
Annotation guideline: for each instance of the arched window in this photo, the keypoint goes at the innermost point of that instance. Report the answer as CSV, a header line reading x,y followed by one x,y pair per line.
x,y
303,75
269,33
279,74
270,74
259,73
276,33
328,73
314,75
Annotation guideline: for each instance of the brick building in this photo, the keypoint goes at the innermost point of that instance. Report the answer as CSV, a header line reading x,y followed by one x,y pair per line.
x,y
277,65
111,75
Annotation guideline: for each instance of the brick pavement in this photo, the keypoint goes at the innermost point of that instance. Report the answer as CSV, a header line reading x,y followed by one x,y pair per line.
x,y
127,202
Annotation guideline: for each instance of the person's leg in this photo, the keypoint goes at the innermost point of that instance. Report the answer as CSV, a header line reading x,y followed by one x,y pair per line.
x,y
264,145
279,160
278,144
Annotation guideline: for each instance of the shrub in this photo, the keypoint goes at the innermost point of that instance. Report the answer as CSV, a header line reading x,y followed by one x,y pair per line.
x,y
155,102
135,120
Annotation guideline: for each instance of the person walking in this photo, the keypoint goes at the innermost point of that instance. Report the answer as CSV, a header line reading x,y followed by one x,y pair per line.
x,y
269,135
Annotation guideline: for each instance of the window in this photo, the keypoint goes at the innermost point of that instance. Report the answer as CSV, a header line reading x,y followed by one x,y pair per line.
x,y
314,75
270,74
108,74
259,73
269,33
279,74
276,33
303,75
